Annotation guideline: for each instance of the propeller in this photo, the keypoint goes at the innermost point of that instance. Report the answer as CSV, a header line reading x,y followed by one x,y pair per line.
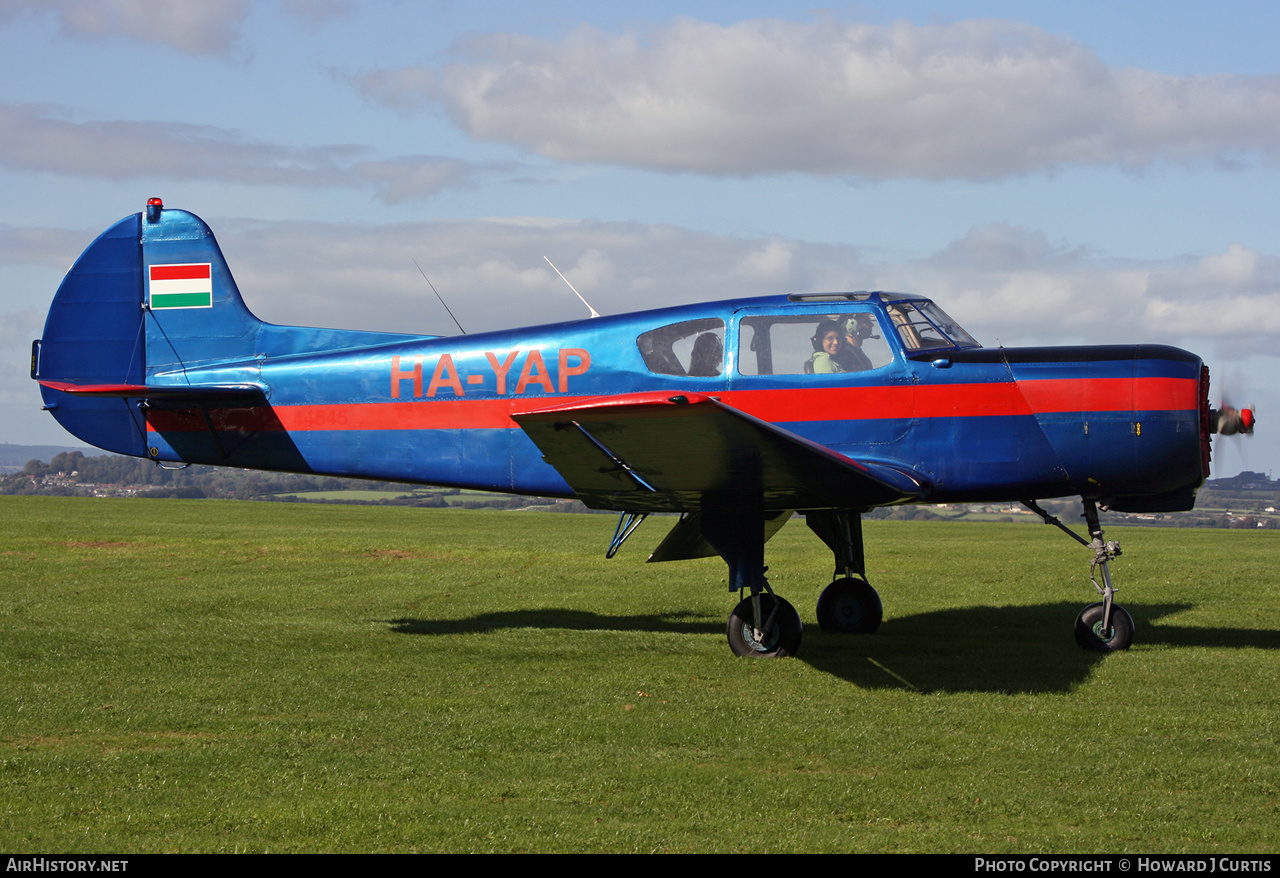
x,y
1228,420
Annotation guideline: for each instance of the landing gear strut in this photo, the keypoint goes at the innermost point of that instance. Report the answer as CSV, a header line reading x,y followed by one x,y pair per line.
x,y
762,625
849,605
1104,626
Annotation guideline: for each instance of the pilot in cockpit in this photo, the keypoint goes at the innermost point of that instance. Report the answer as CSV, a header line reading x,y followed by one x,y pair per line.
x,y
852,357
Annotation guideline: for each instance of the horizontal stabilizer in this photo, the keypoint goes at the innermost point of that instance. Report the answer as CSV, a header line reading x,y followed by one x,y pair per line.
x,y
223,394
657,452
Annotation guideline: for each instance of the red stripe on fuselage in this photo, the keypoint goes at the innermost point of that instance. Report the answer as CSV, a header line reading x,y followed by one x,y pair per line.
x,y
1004,399
776,406
1112,395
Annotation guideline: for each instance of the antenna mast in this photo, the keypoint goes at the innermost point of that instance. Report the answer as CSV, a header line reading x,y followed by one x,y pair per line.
x,y
594,312
438,296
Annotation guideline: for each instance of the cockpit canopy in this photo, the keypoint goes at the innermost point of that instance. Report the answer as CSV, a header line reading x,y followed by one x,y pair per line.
x,y
778,336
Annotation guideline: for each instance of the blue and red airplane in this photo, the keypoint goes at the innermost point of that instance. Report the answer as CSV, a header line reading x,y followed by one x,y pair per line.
x,y
735,414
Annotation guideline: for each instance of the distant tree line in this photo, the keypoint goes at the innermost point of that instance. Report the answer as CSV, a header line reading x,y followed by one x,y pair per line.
x,y
1238,502
71,473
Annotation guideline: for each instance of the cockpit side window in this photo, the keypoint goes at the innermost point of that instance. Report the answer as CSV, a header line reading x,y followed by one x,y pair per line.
x,y
788,344
694,348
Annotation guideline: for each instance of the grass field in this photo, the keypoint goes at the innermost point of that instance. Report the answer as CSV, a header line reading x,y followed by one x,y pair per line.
x,y
221,676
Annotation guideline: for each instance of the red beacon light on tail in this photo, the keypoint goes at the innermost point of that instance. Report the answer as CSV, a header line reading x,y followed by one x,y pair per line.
x,y
154,206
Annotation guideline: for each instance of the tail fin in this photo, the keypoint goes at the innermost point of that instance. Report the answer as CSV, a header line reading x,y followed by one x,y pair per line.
x,y
193,310
151,298
150,313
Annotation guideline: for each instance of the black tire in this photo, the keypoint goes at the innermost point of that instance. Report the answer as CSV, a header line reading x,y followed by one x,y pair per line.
x,y
849,606
1089,633
781,639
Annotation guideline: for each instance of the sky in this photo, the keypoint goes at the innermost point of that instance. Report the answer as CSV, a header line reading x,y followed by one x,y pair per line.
x,y
1046,172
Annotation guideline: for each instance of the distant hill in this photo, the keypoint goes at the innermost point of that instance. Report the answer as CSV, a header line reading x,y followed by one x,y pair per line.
x,y
14,457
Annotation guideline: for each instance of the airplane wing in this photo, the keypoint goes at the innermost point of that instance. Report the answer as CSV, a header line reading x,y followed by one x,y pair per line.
x,y
657,452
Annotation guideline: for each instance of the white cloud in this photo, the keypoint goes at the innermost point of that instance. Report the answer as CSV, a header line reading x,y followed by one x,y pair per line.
x,y
41,246
491,273
771,260
416,178
45,138
1238,271
313,13
1013,283
206,27
975,99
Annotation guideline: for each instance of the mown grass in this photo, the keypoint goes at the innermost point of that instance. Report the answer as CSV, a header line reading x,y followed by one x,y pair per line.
x,y
220,676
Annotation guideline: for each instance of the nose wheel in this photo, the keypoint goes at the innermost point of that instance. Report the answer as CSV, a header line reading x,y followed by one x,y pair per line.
x,y
1093,631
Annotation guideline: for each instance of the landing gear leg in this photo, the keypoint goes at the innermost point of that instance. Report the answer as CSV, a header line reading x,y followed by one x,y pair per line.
x,y
762,625
1104,626
849,605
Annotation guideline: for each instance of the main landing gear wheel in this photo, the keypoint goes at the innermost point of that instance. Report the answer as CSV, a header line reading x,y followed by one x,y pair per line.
x,y
1091,635
849,606
781,628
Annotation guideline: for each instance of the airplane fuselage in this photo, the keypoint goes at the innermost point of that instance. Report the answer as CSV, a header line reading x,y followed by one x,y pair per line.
x,y
976,424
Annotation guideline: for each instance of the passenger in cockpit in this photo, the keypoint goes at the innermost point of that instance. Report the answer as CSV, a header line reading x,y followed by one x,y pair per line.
x,y
827,344
707,355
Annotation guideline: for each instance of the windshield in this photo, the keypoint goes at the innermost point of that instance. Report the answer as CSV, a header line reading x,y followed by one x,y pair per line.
x,y
923,325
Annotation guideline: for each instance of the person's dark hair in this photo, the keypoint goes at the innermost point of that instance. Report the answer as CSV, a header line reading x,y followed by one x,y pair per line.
x,y
823,328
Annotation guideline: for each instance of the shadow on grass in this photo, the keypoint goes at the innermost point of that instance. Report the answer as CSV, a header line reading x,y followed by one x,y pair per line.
x,y
998,649
574,620
973,649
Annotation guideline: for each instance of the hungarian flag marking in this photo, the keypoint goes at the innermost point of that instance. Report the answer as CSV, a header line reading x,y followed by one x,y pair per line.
x,y
181,286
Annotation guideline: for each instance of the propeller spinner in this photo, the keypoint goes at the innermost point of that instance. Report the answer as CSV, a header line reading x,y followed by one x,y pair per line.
x,y
1228,421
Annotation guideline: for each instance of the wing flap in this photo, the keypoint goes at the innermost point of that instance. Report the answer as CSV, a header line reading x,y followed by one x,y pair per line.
x,y
657,452
686,540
